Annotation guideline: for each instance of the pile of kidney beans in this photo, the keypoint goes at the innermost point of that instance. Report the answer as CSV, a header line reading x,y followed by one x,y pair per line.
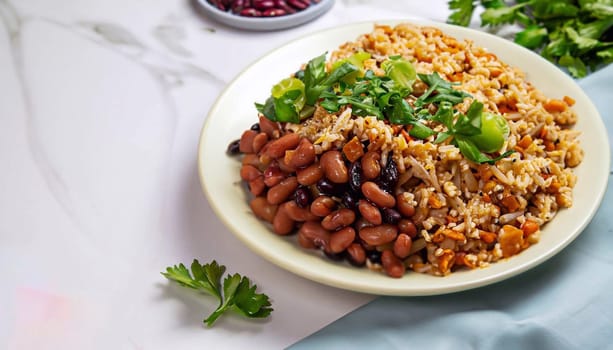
x,y
262,8
345,208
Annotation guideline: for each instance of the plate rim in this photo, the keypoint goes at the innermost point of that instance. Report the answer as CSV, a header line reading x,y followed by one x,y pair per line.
x,y
487,279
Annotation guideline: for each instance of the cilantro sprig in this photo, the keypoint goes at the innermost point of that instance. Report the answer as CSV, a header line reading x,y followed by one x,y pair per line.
x,y
387,98
575,34
237,293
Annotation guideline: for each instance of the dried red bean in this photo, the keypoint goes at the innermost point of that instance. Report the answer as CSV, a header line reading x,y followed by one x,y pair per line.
x,y
250,12
273,175
263,4
297,4
341,239
274,12
392,266
218,4
356,254
337,219
238,6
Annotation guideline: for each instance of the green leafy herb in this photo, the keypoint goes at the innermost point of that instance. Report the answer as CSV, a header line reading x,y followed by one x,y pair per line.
x,y
237,292
462,11
575,34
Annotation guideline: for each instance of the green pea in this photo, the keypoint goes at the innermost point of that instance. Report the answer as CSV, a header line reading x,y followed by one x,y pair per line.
x,y
494,132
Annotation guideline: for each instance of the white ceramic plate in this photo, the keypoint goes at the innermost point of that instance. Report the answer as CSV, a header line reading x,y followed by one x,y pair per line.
x,y
266,23
234,112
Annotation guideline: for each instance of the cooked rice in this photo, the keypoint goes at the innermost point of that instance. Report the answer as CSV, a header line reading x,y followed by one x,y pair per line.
x,y
473,198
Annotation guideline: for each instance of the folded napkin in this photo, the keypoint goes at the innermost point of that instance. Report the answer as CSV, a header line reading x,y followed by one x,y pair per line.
x,y
565,303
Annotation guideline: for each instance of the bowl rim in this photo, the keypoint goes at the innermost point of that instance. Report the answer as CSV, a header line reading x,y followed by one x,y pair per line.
x,y
398,289
267,23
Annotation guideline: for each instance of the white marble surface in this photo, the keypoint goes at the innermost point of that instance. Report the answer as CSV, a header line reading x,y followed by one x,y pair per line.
x,y
101,104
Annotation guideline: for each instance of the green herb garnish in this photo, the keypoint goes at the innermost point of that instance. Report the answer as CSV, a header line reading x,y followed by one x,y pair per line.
x,y
385,97
575,34
237,292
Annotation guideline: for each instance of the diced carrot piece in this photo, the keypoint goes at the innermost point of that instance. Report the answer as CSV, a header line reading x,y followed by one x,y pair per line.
x,y
511,240
487,237
511,203
525,141
554,105
569,100
529,227
353,149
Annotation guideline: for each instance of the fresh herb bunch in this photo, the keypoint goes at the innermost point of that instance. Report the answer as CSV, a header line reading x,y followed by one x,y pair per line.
x,y
385,97
237,292
576,34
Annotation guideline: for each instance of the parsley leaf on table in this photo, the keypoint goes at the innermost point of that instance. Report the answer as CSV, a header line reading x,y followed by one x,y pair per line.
x,y
237,293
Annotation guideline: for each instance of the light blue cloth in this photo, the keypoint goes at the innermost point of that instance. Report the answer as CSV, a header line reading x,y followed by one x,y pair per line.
x,y
566,303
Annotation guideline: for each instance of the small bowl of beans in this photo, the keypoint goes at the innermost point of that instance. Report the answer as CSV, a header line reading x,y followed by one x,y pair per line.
x,y
263,15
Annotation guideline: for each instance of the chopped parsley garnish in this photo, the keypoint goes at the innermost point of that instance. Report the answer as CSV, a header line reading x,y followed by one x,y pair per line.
x,y
237,292
387,98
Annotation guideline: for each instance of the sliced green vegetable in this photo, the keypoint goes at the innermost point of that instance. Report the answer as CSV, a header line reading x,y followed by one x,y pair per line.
x,y
494,132
357,59
401,72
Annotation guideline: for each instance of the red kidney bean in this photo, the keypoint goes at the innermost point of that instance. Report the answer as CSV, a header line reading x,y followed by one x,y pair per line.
x,y
312,231
277,148
259,141
250,12
370,212
392,266
283,5
407,226
370,165
297,4
246,142
249,172
334,167
323,206
262,209
218,3
402,245
251,159
263,4
378,196
286,167
303,155
296,213
337,219
360,223
274,12
257,186
282,223
309,175
404,206
378,235
341,239
273,175
237,6
356,254
269,127
280,192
